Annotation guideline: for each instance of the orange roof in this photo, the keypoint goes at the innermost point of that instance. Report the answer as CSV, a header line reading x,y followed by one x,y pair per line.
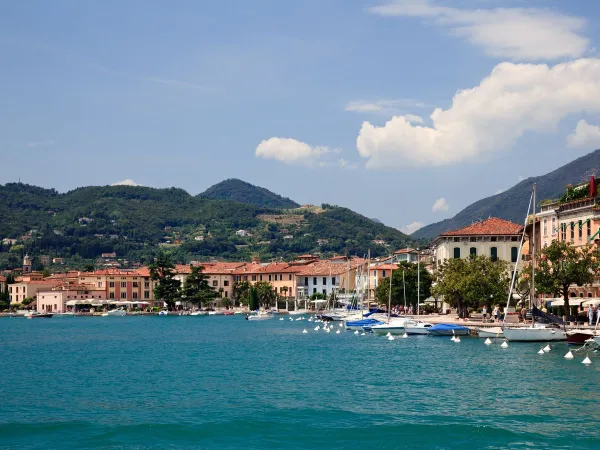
x,y
325,268
491,226
385,267
46,282
405,250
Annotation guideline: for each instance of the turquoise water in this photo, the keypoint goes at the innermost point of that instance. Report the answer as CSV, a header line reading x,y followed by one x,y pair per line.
x,y
223,382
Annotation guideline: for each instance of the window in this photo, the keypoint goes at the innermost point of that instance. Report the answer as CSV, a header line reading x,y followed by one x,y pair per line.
x,y
269,277
494,238
260,277
315,280
225,282
135,295
473,251
554,225
146,285
290,277
226,294
580,230
456,239
589,228
123,284
123,294
146,294
314,290
456,252
494,253
253,277
111,284
572,231
215,283
305,281
324,281
135,284
245,277
324,291
375,274
545,227
383,273
280,277
514,254
514,238
333,281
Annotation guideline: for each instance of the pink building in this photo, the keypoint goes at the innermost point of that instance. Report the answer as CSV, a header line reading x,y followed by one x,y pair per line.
x,y
56,300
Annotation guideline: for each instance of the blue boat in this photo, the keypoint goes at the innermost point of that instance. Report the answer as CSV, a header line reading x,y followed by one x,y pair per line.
x,y
448,329
364,324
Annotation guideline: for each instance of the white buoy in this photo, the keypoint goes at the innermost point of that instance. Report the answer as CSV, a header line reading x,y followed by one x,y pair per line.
x,y
317,328
338,332
363,333
327,330
541,352
388,335
488,341
457,339
281,318
569,355
547,348
504,344
405,335
304,331
453,338
586,361
391,338
341,325
356,332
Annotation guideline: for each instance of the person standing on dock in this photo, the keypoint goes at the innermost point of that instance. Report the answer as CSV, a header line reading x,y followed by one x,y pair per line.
x,y
483,313
591,315
495,313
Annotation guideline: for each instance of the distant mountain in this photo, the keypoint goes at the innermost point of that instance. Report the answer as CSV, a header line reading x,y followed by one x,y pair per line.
x,y
242,192
512,204
376,220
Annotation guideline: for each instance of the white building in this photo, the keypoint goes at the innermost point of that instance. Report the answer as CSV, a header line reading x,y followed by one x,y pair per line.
x,y
495,238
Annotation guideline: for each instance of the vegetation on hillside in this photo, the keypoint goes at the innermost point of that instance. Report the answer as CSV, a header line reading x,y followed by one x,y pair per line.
x,y
240,191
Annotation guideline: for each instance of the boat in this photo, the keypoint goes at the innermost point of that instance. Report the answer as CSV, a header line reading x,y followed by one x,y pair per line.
x,y
579,337
536,332
362,325
216,313
448,329
164,312
260,316
199,313
36,315
298,312
490,332
119,312
228,313
417,327
64,314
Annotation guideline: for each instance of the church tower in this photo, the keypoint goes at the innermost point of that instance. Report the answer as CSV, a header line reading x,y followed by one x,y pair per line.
x,y
26,264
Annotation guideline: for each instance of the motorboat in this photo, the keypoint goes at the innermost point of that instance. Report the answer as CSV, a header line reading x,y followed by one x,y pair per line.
x,y
364,324
228,313
536,333
579,337
164,312
119,312
448,329
199,313
417,327
37,315
216,313
490,332
298,312
394,326
260,316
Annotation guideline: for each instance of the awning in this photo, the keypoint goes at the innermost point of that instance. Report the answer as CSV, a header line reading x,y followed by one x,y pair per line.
x,y
318,301
591,301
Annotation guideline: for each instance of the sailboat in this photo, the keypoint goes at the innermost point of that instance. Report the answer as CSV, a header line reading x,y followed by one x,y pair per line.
x,y
535,332
395,326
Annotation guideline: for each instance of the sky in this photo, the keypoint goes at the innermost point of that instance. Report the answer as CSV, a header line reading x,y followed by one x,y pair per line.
x,y
406,111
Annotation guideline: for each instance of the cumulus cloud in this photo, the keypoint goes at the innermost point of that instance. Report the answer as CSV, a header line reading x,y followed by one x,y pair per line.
x,y
412,227
440,205
513,99
585,135
346,164
126,182
515,33
291,151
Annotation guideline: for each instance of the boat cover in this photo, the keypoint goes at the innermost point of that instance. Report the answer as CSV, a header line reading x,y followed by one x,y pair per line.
x,y
447,327
364,322
543,317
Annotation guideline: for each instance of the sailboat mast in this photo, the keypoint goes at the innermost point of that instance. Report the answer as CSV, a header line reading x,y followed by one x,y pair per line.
x,y
532,291
390,296
418,281
404,289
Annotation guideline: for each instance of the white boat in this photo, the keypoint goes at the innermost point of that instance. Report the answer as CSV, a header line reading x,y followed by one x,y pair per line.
x,y
490,332
119,312
199,313
417,327
164,312
394,326
298,312
215,313
537,333
260,316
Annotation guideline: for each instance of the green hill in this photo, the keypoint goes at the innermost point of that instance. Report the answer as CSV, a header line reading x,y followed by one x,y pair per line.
x,y
512,204
240,191
136,222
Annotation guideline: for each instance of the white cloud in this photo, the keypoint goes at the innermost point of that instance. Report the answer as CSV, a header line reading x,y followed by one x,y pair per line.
x,y
440,205
412,227
291,151
383,106
515,33
346,164
585,135
513,99
413,119
126,182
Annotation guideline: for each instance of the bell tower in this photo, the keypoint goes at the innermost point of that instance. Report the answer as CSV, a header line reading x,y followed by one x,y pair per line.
x,y
26,264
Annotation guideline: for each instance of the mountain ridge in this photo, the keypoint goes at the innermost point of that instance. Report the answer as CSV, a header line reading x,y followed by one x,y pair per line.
x,y
512,203
241,191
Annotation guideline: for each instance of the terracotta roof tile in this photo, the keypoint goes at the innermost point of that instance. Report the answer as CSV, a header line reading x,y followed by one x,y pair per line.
x,y
491,226
326,268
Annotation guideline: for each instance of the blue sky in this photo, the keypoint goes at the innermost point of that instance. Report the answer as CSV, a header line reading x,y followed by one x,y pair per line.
x,y
406,111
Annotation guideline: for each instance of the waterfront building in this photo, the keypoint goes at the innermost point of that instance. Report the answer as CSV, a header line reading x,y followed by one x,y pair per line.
x,y
129,285
55,300
22,289
493,237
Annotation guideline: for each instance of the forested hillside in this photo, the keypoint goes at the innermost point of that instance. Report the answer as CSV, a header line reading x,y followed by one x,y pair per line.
x,y
240,191
136,222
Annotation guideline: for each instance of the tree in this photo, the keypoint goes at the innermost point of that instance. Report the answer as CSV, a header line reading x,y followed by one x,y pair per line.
x,y
405,275
560,265
285,290
196,288
266,294
241,292
167,288
89,268
28,301
469,283
253,299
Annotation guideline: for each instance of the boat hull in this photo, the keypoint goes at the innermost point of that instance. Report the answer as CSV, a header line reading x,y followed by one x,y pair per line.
x,y
382,330
419,328
579,337
492,332
444,329
260,317
534,334
39,316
